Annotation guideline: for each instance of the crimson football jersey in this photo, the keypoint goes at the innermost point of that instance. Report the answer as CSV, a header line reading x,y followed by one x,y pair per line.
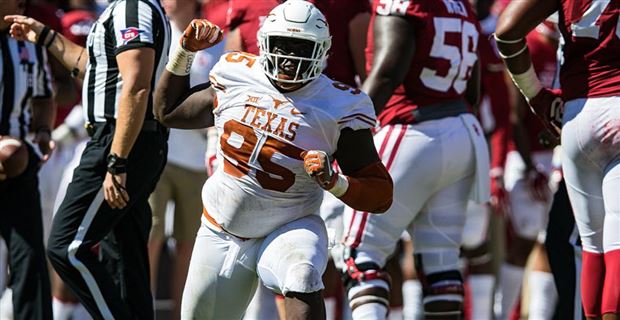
x,y
591,66
248,16
446,37
216,11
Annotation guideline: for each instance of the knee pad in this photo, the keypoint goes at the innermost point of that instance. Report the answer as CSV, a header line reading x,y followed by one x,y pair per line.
x,y
302,278
366,283
476,225
443,292
477,256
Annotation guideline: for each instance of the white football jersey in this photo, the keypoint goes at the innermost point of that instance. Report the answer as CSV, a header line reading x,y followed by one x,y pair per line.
x,y
260,183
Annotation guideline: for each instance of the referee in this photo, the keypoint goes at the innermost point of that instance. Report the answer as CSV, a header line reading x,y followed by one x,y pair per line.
x,y
126,51
26,105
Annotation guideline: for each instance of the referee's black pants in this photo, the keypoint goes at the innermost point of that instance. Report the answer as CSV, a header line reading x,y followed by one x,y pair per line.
x,y
84,219
21,227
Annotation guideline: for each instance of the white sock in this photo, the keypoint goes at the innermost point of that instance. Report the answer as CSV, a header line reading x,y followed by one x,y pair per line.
x,y
543,295
396,313
370,311
330,308
481,288
81,313
412,300
63,310
510,280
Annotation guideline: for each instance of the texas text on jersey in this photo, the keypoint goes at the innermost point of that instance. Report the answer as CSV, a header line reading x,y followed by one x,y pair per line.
x,y
444,57
262,135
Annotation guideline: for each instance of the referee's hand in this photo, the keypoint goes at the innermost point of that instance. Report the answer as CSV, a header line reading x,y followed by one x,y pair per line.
x,y
114,191
201,34
24,28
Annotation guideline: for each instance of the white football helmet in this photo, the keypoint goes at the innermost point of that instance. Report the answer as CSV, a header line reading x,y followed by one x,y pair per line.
x,y
296,19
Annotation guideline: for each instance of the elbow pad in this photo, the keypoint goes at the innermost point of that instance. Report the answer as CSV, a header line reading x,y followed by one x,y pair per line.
x,y
370,189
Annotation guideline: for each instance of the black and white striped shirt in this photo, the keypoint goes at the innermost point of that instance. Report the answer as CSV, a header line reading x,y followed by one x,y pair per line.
x,y
124,25
24,75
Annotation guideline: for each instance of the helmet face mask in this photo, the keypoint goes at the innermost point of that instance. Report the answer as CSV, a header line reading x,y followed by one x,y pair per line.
x,y
293,43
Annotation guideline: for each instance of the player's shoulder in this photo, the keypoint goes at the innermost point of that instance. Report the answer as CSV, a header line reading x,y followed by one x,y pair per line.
x,y
350,106
235,68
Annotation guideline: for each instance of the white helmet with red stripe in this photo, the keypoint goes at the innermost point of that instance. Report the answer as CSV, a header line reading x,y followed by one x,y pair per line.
x,y
294,31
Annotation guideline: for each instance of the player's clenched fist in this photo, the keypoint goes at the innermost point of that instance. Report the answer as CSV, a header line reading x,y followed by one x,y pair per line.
x,y
548,104
201,34
319,168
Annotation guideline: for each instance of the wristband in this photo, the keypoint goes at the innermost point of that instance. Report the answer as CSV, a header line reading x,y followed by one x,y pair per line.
x,y
527,82
180,62
116,164
42,36
49,43
341,186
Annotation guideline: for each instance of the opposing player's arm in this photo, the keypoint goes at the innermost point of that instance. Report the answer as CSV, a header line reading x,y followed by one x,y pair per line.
x,y
179,106
519,109
394,50
517,20
472,93
357,42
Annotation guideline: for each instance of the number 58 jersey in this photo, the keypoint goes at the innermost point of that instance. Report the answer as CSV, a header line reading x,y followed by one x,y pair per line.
x,y
446,34
261,183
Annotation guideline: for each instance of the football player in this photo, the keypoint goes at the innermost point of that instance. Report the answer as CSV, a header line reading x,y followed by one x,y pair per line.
x,y
280,122
528,169
590,134
423,79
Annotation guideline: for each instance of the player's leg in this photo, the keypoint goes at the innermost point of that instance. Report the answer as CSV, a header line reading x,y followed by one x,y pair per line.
x,y
610,306
215,289
526,218
188,204
158,201
584,181
291,261
331,212
263,305
437,235
475,249
370,238
563,258
543,293
412,288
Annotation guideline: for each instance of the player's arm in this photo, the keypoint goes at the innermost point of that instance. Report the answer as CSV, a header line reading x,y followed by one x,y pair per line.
x,y
522,143
517,20
365,184
72,56
394,50
472,92
177,105
357,42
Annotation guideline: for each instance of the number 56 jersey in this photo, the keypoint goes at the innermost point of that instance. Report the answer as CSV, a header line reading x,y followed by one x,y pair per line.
x,y
446,34
261,183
